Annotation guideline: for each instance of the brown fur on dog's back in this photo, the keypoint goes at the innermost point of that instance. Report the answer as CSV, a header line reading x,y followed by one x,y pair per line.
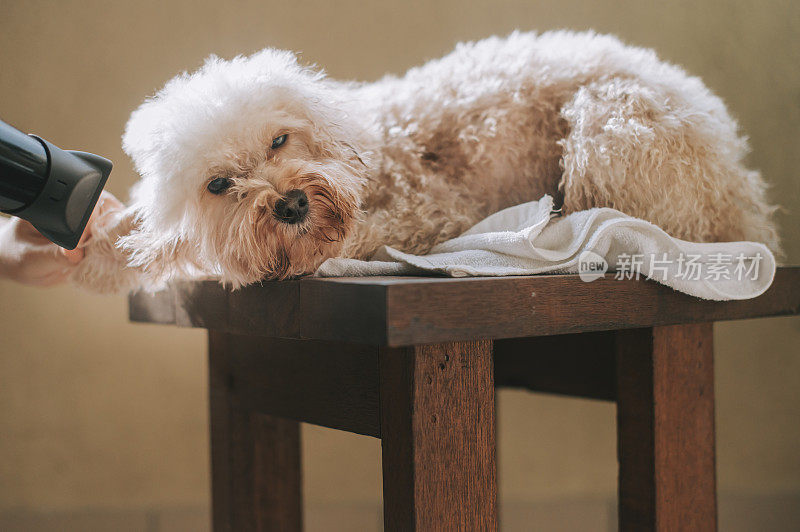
x,y
503,121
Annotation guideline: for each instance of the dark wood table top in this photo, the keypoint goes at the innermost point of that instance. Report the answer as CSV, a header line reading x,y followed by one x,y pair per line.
x,y
398,311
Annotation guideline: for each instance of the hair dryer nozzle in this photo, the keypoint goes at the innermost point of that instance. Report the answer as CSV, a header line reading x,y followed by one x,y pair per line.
x,y
67,193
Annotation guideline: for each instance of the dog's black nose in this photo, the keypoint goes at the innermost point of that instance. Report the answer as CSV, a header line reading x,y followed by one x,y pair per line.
x,y
292,208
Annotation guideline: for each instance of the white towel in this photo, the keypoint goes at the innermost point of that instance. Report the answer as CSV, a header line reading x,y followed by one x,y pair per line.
x,y
530,239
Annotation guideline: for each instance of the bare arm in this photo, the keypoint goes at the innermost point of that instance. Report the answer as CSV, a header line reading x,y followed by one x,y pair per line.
x,y
28,257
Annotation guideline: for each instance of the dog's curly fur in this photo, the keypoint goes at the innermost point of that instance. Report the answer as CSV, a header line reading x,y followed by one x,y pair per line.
x,y
411,161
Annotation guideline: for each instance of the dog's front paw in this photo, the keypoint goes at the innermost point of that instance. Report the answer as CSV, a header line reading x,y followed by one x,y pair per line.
x,y
104,268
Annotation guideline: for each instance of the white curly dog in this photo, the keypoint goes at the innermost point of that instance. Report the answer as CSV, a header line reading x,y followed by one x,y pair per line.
x,y
261,168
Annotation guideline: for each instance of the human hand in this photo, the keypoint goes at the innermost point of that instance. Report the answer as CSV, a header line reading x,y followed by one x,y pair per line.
x,y
107,203
30,258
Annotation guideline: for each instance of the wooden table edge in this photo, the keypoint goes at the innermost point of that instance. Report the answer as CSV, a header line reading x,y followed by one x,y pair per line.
x,y
413,310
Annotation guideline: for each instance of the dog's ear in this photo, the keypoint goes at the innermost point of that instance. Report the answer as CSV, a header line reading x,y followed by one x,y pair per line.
x,y
337,136
144,137
158,257
120,256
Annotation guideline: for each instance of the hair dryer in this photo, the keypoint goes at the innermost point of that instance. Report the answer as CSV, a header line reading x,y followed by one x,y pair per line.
x,y
54,189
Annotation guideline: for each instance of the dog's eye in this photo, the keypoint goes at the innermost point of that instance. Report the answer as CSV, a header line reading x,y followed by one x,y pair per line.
x,y
219,185
277,142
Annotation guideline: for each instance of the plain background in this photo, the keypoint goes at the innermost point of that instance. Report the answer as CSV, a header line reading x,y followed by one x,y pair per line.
x,y
103,424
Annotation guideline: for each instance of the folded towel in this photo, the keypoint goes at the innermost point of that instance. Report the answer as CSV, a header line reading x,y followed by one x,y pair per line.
x,y
530,239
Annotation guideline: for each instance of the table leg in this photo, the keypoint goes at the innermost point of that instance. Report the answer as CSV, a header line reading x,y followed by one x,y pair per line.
x,y
255,458
665,427
438,437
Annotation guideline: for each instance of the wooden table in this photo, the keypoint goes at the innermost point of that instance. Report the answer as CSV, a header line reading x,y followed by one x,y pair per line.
x,y
415,362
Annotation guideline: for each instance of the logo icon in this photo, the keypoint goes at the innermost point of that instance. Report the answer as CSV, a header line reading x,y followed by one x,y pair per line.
x,y
591,266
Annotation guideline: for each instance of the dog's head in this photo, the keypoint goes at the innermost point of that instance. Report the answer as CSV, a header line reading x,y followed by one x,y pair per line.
x,y
252,168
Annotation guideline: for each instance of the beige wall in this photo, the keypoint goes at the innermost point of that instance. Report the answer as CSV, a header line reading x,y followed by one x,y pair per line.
x,y
98,413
